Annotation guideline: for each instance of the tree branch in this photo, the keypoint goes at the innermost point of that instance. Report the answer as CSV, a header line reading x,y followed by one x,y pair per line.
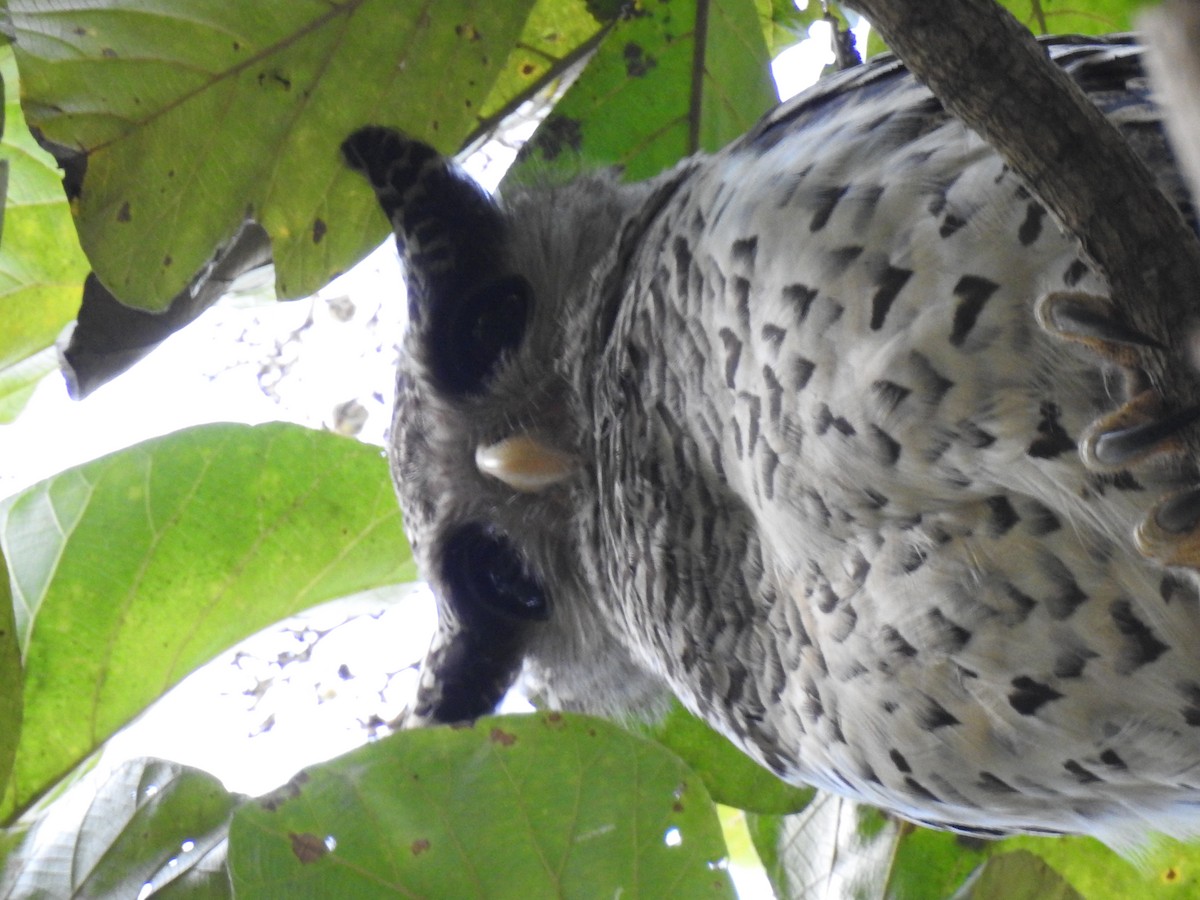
x,y
989,71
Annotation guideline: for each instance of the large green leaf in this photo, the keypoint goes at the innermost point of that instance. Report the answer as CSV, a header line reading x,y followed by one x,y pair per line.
x,y
195,113
784,24
930,863
41,265
12,679
1075,17
547,805
556,35
732,778
20,380
151,823
1008,876
673,79
864,852
130,571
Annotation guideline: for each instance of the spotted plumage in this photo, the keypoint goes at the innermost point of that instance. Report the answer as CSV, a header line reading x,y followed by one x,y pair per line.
x,y
784,432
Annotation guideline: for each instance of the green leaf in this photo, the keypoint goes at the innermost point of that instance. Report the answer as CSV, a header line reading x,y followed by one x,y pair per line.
x,y
765,834
1164,868
41,266
130,571
556,32
670,80
1020,874
10,840
195,113
732,778
150,823
929,863
20,380
1074,17
865,852
845,847
935,863
547,805
12,678
783,24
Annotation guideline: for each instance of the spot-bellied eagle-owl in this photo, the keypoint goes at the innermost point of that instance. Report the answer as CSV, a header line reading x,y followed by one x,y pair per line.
x,y
792,432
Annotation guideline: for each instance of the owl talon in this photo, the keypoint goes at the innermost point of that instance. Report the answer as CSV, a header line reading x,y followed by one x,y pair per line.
x,y
1091,320
1139,429
1135,433
1170,532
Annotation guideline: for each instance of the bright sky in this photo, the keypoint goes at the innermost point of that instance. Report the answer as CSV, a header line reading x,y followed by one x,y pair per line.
x,y
310,356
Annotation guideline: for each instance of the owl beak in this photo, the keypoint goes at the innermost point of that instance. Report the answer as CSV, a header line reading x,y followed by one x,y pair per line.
x,y
525,464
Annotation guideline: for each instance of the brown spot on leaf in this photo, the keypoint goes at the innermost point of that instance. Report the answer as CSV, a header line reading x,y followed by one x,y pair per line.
x,y
307,847
419,846
504,738
528,69
318,230
468,32
108,53
638,62
123,214
167,261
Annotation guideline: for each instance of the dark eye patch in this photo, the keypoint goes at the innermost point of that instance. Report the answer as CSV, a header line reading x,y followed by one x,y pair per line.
x,y
472,332
485,574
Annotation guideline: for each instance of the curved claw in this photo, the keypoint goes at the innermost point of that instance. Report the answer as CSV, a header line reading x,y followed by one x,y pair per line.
x,y
1138,430
1091,320
1135,432
1170,532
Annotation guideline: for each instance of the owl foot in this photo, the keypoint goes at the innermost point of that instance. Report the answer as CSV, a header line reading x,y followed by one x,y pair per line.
x,y
1170,532
1091,320
1138,431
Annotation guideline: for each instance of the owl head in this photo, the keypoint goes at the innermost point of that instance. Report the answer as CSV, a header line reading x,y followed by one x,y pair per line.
x,y
510,303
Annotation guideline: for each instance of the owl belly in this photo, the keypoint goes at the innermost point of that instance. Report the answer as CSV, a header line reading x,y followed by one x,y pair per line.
x,y
910,590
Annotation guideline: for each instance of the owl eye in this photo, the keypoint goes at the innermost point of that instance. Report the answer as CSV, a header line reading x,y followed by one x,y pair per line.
x,y
478,330
484,572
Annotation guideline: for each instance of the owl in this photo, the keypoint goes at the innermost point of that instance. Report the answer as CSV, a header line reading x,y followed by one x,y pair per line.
x,y
834,436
